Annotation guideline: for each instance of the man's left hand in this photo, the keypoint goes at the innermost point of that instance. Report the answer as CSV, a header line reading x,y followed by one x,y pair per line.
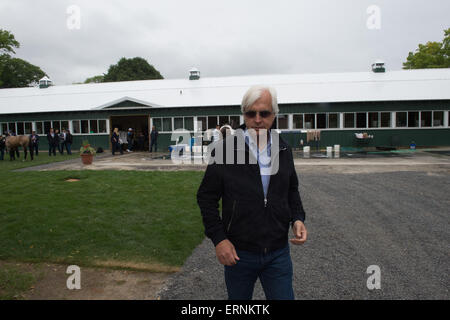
x,y
300,233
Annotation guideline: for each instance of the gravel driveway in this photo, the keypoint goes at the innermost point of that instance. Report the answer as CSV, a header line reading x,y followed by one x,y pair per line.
x,y
396,219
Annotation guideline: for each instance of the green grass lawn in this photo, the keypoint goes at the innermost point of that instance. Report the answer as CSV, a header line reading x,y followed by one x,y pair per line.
x,y
123,216
13,282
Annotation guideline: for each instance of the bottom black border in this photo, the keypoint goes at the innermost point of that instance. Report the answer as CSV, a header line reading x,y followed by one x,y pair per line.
x,y
201,309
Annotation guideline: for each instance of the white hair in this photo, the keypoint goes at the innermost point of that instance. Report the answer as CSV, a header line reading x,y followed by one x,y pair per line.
x,y
254,93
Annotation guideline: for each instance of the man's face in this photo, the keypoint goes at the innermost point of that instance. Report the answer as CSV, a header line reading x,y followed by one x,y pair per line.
x,y
264,116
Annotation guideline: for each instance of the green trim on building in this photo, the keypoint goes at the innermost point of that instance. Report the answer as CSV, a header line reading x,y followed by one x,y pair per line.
x,y
344,137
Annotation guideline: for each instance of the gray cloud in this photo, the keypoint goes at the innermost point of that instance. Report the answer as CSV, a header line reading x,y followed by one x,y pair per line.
x,y
221,38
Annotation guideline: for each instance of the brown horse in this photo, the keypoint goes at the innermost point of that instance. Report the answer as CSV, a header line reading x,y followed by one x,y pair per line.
x,y
14,142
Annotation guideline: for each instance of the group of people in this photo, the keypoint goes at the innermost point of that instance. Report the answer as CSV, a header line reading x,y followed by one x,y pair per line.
x,y
34,143
132,142
58,140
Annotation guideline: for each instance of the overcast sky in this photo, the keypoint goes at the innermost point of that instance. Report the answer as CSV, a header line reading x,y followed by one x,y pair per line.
x,y
220,38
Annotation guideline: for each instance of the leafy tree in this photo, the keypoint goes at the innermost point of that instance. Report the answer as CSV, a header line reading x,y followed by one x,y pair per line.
x,y
430,55
131,69
18,73
94,79
7,42
15,72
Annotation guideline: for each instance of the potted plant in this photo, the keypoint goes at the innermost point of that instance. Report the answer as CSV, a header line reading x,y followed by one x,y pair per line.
x,y
87,153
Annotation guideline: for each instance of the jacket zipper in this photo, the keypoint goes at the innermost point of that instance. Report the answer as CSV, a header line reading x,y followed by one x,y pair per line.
x,y
232,215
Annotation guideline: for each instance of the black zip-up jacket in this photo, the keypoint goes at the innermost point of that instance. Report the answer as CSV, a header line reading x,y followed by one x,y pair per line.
x,y
249,220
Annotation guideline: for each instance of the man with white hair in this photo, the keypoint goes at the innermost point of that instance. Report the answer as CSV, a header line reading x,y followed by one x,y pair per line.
x,y
260,199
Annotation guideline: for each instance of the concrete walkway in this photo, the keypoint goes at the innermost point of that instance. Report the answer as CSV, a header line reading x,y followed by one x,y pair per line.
x,y
347,161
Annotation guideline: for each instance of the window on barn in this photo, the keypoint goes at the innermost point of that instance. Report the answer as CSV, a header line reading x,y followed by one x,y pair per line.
x,y
310,122
178,123
101,126
189,123
333,120
64,125
12,127
4,128
167,124
413,119
201,123
84,126
235,122
212,122
321,121
93,128
349,120
425,118
361,120
297,121
385,119
373,119
282,120
157,122
20,128
47,126
56,125
224,120
28,127
401,119
438,118
39,127
76,126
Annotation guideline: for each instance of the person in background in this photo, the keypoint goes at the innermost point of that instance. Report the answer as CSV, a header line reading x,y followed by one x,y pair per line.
x,y
130,140
60,141
34,142
67,141
115,142
53,141
2,146
153,138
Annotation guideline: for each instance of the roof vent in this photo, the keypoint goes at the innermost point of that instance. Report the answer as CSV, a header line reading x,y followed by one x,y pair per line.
x,y
194,74
378,66
45,82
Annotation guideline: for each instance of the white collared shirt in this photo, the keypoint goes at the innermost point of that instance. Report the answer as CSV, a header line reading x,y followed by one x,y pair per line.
x,y
263,157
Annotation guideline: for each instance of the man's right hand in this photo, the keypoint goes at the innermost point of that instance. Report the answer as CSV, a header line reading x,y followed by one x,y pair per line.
x,y
226,253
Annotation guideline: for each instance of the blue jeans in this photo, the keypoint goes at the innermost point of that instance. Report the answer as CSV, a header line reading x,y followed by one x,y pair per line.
x,y
35,148
116,147
152,143
68,147
274,270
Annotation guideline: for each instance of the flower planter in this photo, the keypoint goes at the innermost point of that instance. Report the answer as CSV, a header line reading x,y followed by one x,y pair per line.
x,y
87,158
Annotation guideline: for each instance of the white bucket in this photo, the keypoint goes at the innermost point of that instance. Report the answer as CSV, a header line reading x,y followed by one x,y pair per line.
x,y
329,152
